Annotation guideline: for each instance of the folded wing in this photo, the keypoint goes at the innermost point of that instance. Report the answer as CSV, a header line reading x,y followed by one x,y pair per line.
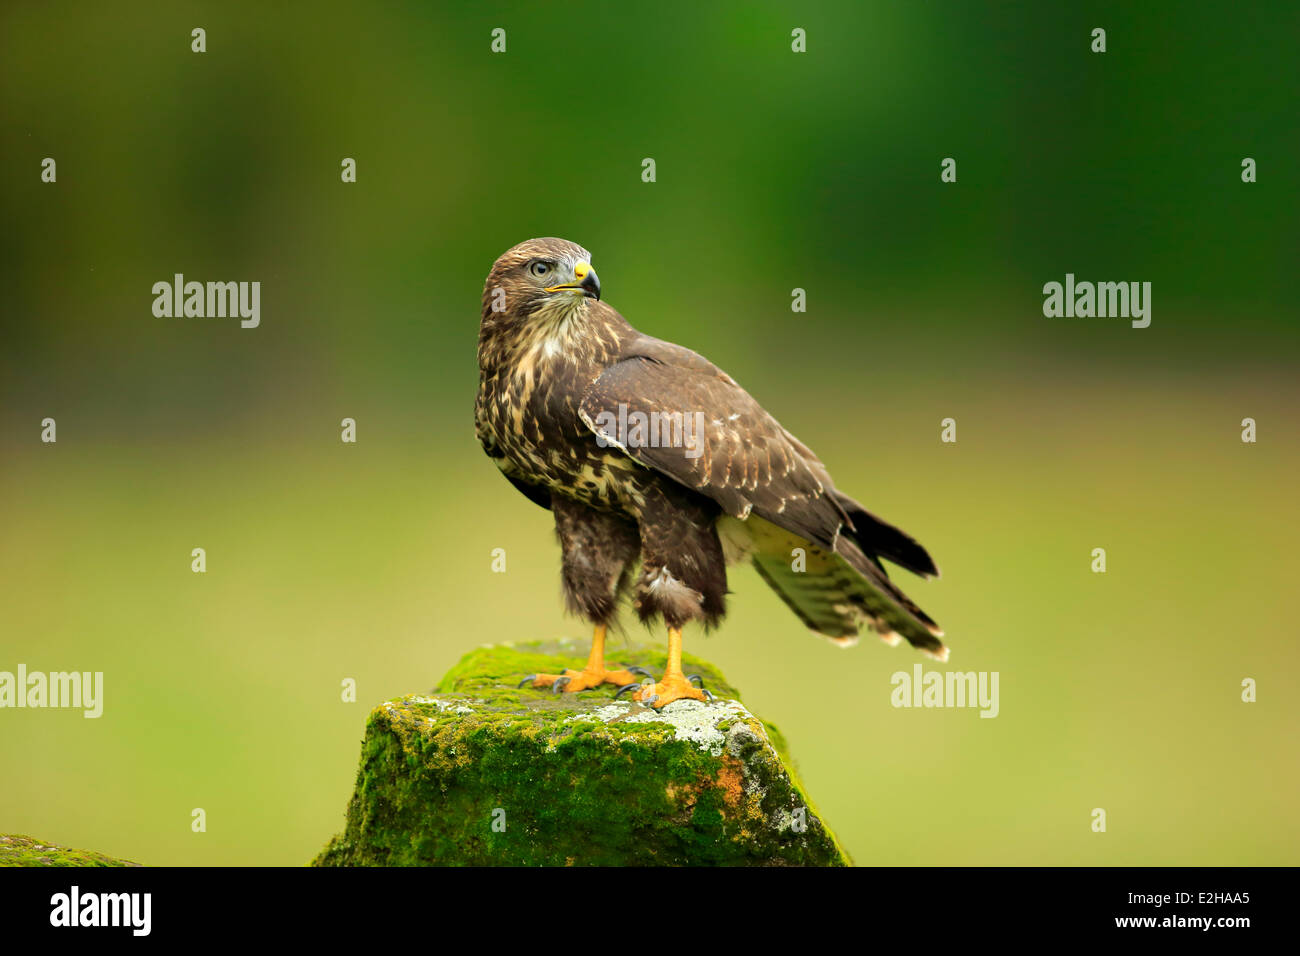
x,y
672,410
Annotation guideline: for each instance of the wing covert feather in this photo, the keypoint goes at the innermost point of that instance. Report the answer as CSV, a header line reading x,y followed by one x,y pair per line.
x,y
707,433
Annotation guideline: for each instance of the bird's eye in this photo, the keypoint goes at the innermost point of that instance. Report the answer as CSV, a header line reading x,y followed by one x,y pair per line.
x,y
539,268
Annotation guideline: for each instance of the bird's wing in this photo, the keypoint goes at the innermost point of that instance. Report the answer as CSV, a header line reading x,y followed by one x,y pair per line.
x,y
708,434
728,448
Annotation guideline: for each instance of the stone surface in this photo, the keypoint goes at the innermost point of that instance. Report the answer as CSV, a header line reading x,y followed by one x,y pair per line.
x,y
480,772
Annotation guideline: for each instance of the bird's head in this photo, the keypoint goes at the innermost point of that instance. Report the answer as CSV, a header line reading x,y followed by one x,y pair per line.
x,y
540,278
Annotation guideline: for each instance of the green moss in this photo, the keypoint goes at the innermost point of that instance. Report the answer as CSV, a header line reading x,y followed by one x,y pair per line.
x,y
18,850
485,773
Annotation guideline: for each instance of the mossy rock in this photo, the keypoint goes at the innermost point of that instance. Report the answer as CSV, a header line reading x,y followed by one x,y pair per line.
x,y
18,850
479,772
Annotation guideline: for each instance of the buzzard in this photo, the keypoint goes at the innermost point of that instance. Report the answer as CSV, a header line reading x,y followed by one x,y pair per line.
x,y
661,471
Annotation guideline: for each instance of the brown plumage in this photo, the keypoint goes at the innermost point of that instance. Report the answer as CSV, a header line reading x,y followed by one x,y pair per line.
x,y
647,452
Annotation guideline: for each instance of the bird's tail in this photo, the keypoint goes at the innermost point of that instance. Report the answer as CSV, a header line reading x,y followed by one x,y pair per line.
x,y
836,593
877,537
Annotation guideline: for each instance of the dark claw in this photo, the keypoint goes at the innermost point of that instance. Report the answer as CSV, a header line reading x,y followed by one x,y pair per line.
x,y
695,680
707,696
620,691
559,685
527,680
640,670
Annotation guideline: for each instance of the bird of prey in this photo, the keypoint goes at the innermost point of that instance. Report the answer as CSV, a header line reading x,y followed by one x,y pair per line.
x,y
648,455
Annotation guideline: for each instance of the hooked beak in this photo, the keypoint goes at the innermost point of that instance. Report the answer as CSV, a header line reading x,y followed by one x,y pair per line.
x,y
587,281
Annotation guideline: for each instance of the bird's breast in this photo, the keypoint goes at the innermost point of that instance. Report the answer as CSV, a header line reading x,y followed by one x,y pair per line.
x,y
528,419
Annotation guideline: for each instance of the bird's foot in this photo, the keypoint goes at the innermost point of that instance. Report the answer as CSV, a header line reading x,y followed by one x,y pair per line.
x,y
572,681
672,687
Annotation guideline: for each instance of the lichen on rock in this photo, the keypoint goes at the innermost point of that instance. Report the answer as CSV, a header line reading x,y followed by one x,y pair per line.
x,y
480,772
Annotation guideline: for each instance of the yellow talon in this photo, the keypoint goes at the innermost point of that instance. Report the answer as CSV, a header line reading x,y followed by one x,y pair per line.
x,y
592,675
675,684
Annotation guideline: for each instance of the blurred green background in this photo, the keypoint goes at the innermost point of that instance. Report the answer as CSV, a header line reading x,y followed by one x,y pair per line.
x,y
775,170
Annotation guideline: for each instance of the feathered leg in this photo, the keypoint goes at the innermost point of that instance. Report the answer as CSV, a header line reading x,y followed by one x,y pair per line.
x,y
599,550
683,578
